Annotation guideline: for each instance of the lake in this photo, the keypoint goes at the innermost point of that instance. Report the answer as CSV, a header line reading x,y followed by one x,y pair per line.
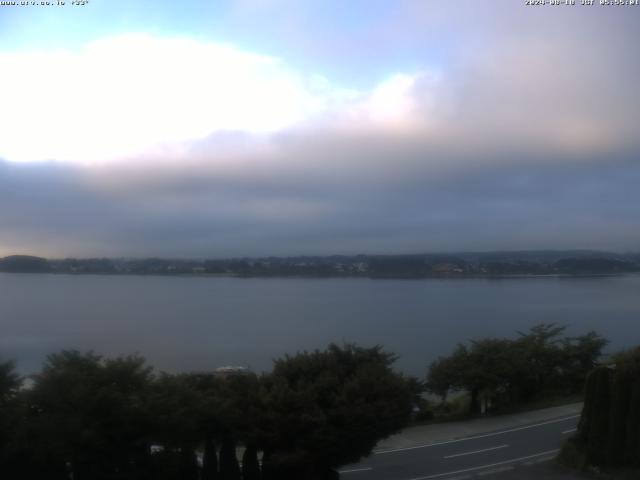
x,y
199,323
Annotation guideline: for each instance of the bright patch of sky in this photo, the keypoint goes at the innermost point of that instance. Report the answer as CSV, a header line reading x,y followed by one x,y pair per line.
x,y
114,79
123,95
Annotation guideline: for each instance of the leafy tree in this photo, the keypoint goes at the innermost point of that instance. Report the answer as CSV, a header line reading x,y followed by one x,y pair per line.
x,y
485,368
206,417
441,377
543,357
10,383
450,373
491,372
89,414
176,405
505,371
581,356
328,408
239,407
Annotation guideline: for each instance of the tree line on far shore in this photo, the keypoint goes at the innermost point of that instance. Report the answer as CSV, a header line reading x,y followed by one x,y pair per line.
x,y
372,266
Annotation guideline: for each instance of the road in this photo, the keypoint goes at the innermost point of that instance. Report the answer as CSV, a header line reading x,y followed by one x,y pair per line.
x,y
477,456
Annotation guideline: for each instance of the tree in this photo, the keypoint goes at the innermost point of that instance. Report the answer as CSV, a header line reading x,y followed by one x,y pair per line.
x,y
581,355
176,406
240,412
441,377
89,414
609,428
486,368
205,417
491,372
543,357
250,464
229,467
328,408
10,383
209,460
504,371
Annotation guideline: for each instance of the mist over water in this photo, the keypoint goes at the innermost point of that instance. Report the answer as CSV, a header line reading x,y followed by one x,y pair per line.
x,y
189,323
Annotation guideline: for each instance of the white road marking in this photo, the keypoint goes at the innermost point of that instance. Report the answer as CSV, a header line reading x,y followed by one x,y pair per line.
x,y
513,460
353,470
493,471
476,451
393,450
537,460
571,430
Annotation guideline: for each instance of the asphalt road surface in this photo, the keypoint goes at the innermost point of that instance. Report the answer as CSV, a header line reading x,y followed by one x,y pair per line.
x,y
478,456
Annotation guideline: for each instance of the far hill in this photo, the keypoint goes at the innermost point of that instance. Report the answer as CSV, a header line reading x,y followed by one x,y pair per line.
x,y
24,264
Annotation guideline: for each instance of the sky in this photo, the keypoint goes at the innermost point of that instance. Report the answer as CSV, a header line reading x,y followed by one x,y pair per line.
x,y
280,127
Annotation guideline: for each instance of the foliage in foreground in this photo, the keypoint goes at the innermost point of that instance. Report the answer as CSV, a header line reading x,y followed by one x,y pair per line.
x,y
609,429
499,372
115,419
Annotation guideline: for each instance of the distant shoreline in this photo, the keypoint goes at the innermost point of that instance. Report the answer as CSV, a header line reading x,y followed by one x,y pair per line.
x,y
312,276
417,266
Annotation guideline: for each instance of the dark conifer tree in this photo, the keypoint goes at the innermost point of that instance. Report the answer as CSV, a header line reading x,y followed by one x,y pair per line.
x,y
209,460
597,423
188,463
250,465
229,468
609,429
621,385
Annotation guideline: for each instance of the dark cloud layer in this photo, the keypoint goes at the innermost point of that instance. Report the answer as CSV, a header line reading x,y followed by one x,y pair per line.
x,y
198,211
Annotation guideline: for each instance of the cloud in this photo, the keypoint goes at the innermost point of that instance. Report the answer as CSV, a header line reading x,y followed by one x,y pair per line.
x,y
322,208
135,95
523,137
131,94
121,95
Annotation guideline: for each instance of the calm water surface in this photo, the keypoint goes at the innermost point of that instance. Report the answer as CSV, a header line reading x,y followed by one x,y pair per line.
x,y
184,323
